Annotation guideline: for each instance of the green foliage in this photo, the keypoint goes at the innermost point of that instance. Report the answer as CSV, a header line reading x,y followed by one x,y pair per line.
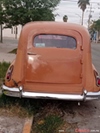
x,y
49,124
83,3
95,25
2,17
23,11
3,68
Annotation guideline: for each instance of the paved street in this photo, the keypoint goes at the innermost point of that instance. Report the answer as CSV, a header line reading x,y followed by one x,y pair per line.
x,y
96,55
6,47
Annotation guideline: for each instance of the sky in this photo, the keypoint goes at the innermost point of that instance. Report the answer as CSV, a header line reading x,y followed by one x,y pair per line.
x,y
74,13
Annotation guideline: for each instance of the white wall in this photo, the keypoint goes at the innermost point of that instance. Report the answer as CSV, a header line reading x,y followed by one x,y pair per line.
x,y
8,32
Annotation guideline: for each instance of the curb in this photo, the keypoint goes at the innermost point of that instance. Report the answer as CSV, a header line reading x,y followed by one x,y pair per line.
x,y
27,125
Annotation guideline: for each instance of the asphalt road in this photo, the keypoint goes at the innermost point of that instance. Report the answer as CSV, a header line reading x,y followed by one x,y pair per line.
x,y
96,55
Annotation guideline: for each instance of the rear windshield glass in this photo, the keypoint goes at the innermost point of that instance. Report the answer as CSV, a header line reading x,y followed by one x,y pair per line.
x,y
58,41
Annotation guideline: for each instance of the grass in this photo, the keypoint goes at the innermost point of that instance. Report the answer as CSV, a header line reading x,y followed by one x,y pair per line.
x,y
3,69
49,124
18,107
14,51
50,119
48,114
8,105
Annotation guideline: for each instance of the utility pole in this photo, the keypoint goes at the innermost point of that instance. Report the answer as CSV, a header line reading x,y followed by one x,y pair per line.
x,y
1,40
90,16
91,10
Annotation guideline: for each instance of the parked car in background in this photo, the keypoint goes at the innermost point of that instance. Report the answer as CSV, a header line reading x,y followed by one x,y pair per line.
x,y
53,61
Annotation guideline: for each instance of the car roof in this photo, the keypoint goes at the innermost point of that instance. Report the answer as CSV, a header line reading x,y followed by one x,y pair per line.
x,y
55,25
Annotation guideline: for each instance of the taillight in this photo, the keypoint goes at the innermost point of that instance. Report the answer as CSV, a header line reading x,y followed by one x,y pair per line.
x,y
9,73
98,81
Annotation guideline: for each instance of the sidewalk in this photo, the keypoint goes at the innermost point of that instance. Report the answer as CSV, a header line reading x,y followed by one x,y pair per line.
x,y
5,47
9,124
12,124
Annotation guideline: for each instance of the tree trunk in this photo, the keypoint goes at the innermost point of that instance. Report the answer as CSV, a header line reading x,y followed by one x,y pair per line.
x,y
82,17
1,34
16,32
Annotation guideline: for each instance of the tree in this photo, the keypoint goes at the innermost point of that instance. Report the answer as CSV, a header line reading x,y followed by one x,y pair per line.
x,y
23,11
2,19
95,28
83,4
95,25
65,18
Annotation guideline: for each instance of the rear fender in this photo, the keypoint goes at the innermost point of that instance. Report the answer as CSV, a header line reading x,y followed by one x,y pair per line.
x,y
10,82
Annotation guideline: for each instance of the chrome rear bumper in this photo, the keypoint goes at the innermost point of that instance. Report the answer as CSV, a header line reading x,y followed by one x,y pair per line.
x,y
18,92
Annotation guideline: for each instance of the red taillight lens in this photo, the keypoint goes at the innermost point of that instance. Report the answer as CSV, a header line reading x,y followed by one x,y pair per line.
x,y
9,73
98,81
8,76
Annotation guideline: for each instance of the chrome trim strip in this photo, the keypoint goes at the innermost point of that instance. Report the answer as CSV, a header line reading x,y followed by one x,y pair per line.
x,y
13,92
92,95
5,88
52,96
18,92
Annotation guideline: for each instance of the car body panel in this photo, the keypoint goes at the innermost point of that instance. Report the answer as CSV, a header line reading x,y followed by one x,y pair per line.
x,y
54,70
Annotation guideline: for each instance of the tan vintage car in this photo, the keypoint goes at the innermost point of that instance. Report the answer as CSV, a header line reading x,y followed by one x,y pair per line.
x,y
53,61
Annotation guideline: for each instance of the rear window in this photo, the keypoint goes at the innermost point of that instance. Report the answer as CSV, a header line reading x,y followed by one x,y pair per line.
x,y
58,41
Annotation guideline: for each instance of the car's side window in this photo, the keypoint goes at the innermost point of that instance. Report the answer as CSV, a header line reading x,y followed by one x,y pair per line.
x,y
58,41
